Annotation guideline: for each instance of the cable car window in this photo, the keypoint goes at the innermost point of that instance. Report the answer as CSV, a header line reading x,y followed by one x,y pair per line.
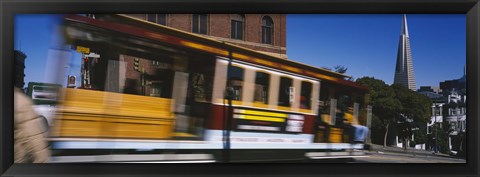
x,y
306,95
286,92
262,81
235,81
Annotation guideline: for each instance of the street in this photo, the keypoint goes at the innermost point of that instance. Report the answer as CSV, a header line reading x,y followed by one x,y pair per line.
x,y
395,157
369,157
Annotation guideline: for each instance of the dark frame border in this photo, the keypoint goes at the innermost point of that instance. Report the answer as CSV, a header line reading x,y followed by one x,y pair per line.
x,y
8,8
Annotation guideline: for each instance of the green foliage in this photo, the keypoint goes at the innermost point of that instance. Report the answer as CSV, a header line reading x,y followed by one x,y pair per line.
x,y
385,107
397,106
340,69
421,133
342,103
377,130
415,106
415,110
413,143
442,135
381,97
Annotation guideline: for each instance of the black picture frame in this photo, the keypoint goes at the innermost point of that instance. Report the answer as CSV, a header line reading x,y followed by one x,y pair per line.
x,y
8,9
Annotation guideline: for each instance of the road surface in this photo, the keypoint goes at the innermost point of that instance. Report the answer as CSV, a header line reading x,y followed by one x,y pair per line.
x,y
394,157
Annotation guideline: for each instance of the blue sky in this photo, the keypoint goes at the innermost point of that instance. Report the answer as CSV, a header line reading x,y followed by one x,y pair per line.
x,y
35,35
366,44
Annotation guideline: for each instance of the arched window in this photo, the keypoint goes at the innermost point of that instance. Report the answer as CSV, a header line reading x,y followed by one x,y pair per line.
x,y
199,23
267,30
238,22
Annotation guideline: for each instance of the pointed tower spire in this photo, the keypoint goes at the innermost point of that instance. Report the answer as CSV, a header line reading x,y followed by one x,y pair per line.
x,y
404,69
404,25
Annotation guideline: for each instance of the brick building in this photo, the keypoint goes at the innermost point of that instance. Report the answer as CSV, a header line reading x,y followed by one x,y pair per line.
x,y
260,32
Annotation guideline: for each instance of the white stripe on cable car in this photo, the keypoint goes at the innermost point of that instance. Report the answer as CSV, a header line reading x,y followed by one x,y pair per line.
x,y
213,145
214,140
132,158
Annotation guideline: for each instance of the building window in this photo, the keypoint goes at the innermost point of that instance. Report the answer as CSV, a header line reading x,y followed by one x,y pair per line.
x,y
152,18
148,79
262,81
157,18
286,92
162,19
267,30
306,95
237,26
199,23
161,64
235,81
156,89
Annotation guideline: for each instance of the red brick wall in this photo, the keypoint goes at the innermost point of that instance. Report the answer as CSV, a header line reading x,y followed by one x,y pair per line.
x,y
283,30
219,25
254,28
130,73
180,21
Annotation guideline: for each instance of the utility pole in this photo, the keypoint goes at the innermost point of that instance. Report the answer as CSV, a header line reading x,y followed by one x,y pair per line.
x,y
436,129
369,124
227,119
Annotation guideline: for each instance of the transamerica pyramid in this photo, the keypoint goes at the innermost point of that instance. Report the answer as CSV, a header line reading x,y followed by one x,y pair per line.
x,y
404,69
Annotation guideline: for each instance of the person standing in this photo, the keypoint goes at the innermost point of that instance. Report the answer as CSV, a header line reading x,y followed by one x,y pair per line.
x,y
30,132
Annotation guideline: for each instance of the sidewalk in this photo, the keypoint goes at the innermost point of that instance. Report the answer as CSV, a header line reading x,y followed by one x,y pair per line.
x,y
380,148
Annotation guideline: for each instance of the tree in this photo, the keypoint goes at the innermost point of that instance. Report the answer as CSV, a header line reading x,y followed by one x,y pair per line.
x,y
421,133
340,69
415,109
441,131
385,106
